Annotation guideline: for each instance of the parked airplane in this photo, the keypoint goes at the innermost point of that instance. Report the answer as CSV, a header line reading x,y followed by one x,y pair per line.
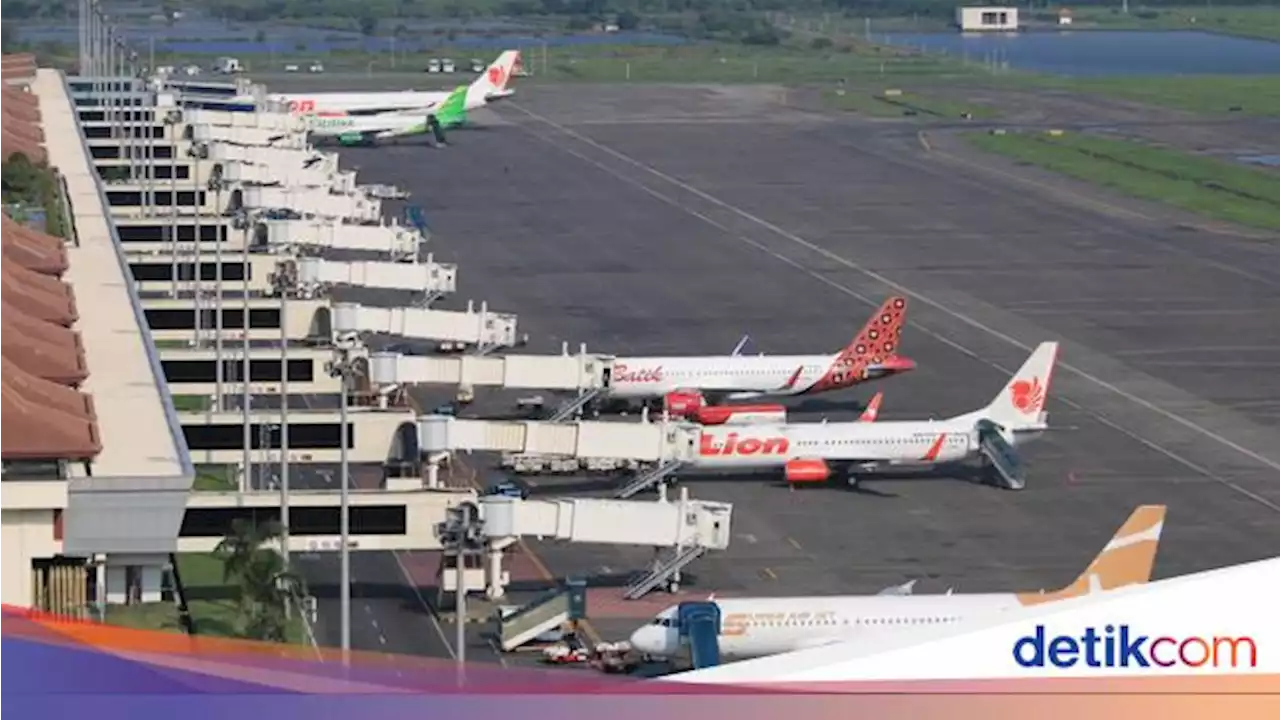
x,y
370,129
490,86
685,384
756,627
814,452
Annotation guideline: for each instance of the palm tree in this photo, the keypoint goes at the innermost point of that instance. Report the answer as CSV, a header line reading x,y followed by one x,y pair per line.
x,y
266,584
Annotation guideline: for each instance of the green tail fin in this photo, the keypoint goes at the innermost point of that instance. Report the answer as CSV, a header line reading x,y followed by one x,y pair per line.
x,y
453,111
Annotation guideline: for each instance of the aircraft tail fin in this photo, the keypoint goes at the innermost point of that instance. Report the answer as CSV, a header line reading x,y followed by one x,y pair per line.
x,y
1127,559
872,411
873,352
492,84
1020,404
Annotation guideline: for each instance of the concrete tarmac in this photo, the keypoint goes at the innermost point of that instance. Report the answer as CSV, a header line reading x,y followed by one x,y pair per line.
x,y
653,229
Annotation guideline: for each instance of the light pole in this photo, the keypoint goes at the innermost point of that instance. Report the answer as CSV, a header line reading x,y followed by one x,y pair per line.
x,y
462,535
340,368
283,282
244,222
171,120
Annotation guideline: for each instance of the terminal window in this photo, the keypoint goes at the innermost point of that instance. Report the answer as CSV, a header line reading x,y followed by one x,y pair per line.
x,y
995,18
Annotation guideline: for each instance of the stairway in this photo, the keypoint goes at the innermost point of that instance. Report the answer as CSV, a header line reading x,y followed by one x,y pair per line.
x,y
571,408
663,572
648,478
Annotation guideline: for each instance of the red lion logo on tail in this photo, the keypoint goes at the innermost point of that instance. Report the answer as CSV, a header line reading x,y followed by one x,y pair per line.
x,y
1028,396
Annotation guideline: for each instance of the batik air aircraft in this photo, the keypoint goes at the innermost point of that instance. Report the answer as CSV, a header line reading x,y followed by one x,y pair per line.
x,y
372,129
490,86
816,452
684,385
758,627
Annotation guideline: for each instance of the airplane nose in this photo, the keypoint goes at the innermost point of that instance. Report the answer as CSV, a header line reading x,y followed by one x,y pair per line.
x,y
646,641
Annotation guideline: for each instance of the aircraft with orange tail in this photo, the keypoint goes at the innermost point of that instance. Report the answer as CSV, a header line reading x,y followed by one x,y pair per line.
x,y
757,627
686,385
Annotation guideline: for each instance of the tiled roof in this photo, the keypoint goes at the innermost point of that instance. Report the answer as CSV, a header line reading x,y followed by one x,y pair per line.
x,y
45,416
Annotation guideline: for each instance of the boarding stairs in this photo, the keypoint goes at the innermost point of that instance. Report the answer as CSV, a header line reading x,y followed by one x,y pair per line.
x,y
574,407
545,613
1005,464
649,478
664,572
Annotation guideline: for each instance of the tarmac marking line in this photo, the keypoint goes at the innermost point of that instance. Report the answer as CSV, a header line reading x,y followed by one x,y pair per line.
x,y
906,291
435,621
941,307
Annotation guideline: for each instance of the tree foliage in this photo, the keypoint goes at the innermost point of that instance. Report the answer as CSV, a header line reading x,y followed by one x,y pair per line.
x,y
250,560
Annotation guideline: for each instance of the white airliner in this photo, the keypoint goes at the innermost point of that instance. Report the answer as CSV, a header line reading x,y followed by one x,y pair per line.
x,y
815,452
490,86
686,384
758,627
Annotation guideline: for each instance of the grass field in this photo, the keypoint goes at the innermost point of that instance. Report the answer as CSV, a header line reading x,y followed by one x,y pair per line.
x,y
190,403
212,604
879,103
214,478
1246,94
1207,186
701,62
1257,22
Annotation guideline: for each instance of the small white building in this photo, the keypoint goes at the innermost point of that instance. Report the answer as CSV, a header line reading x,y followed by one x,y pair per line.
x,y
970,19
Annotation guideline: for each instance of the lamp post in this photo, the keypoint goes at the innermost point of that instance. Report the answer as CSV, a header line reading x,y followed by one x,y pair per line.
x,y
341,367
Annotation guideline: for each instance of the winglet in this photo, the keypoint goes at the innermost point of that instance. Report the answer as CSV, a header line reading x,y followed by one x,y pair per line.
x,y
791,381
1126,560
873,352
872,411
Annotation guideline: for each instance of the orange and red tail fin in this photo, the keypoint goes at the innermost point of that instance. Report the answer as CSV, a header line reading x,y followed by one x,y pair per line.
x,y
873,351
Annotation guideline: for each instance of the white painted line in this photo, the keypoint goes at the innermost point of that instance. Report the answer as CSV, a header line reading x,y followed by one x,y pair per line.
x,y
435,622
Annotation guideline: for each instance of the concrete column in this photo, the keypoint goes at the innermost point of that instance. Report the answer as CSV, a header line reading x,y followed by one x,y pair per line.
x,y
433,474
152,581
494,588
117,584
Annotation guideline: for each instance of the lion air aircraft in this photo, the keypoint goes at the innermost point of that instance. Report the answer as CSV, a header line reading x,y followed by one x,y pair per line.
x,y
686,384
814,452
758,627
490,86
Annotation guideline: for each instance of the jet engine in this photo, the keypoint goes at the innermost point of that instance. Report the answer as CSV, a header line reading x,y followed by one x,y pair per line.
x,y
741,414
812,470
683,402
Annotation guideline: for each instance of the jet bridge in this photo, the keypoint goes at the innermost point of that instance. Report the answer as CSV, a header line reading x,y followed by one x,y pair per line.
x,y
281,122
238,171
250,136
319,233
432,279
278,158
454,329
646,442
587,374
318,202
690,528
